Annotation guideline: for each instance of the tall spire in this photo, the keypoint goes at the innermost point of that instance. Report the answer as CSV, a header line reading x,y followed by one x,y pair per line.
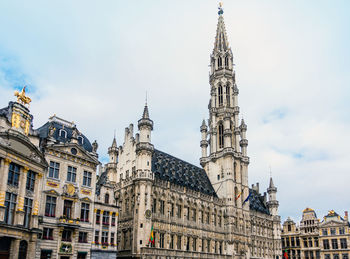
x,y
145,112
221,41
271,183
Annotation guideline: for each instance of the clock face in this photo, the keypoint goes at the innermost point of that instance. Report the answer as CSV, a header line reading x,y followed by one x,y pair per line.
x,y
148,214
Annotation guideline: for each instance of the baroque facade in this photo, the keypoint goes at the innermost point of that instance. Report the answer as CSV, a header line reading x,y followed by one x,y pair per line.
x,y
315,239
195,212
50,196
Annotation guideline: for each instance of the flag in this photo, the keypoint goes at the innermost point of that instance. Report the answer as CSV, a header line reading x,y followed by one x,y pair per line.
x,y
239,195
151,238
247,199
285,255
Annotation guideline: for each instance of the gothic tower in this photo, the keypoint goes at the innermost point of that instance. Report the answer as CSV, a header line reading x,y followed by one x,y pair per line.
x,y
226,161
144,180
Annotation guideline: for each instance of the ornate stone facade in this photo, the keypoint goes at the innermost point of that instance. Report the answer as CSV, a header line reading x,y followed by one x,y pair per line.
x,y
194,212
312,239
22,167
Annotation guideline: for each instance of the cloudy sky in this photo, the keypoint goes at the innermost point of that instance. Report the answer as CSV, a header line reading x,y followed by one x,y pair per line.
x,y
92,62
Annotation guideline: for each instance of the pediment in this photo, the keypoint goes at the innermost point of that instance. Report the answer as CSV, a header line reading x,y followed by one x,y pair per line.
x,y
20,146
73,151
52,192
331,223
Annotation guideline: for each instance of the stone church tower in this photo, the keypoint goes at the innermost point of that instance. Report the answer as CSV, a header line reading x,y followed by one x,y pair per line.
x,y
226,161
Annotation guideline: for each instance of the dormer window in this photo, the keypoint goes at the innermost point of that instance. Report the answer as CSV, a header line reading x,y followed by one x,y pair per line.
x,y
81,140
62,133
107,198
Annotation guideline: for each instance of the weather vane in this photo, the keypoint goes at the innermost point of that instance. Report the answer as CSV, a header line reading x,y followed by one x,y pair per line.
x,y
221,11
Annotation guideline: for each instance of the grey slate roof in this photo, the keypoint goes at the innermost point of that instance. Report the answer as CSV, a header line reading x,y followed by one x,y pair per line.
x,y
256,202
179,172
44,130
101,181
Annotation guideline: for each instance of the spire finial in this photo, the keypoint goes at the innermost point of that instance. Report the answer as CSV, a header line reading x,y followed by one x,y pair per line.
x,y
146,99
221,10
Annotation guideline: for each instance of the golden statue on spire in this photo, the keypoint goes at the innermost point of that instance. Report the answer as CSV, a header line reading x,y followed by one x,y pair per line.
x,y
21,96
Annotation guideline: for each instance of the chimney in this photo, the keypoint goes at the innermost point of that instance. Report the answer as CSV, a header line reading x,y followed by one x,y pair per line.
x,y
346,215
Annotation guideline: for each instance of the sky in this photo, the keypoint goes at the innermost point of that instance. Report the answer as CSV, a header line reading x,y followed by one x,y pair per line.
x,y
92,62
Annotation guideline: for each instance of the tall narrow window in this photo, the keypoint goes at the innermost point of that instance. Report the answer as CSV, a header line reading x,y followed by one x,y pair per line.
x,y
161,240
113,219
98,216
71,174
226,61
28,204
30,181
104,238
54,169
106,198
228,95
97,236
50,207
105,218
10,204
221,136
85,209
161,207
219,62
87,179
13,175
67,208
220,95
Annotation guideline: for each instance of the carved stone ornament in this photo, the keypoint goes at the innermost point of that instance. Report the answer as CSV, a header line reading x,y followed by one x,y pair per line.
x,y
148,214
35,157
51,131
5,142
75,133
94,146
70,190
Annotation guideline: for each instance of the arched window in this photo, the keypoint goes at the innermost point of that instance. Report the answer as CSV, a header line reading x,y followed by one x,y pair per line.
x,y
226,61
220,95
62,133
228,95
22,252
221,136
219,62
107,198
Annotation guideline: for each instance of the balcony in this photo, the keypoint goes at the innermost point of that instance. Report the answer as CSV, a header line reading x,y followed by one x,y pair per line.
x,y
68,222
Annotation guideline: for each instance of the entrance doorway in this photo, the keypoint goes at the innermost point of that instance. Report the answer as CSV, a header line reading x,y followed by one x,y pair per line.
x,y
5,245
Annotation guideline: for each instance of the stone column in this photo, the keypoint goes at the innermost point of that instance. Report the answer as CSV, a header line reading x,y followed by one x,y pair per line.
x,y
31,250
21,194
35,210
4,168
14,249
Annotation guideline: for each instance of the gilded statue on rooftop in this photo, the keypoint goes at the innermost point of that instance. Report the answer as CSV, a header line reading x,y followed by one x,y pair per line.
x,y
21,97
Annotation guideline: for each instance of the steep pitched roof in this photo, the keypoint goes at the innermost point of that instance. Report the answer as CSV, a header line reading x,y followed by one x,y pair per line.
x,y
179,172
44,131
256,202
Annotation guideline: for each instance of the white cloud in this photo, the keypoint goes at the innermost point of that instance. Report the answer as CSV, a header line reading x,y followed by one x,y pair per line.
x,y
92,64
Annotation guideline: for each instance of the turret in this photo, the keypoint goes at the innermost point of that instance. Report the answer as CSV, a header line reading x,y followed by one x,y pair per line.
x,y
204,141
244,142
144,148
272,203
145,125
113,152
